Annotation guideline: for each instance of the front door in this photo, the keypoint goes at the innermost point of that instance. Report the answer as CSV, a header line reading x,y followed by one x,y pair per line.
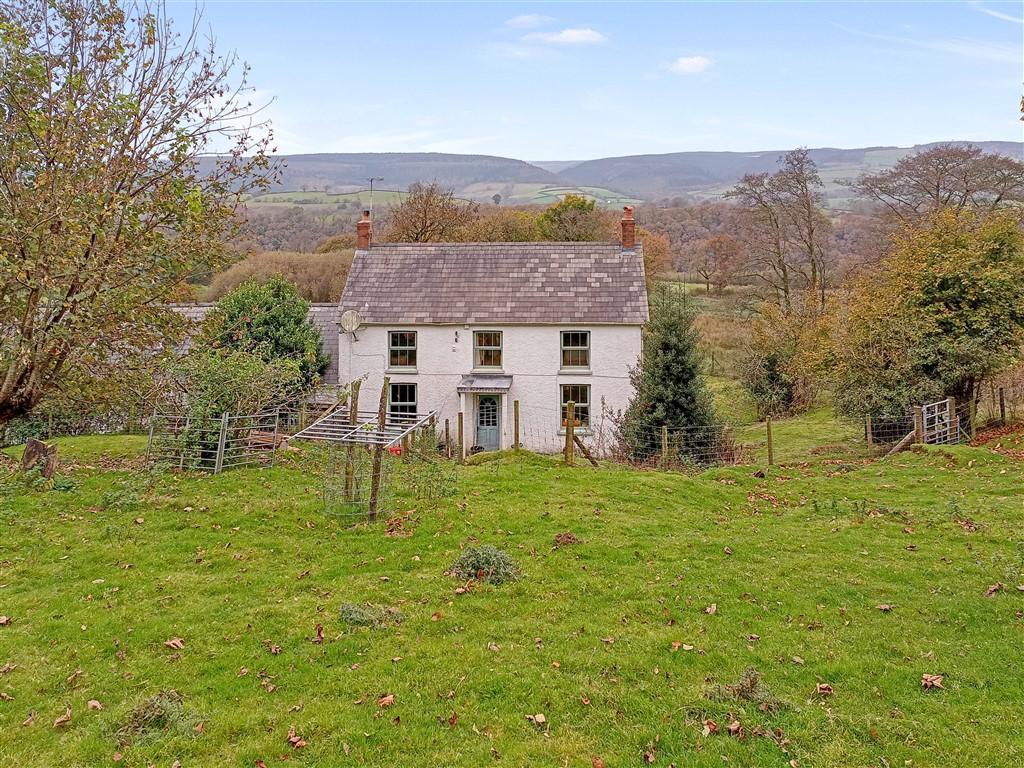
x,y
488,422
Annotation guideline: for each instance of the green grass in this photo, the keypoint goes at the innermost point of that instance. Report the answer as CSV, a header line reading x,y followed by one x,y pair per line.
x,y
97,578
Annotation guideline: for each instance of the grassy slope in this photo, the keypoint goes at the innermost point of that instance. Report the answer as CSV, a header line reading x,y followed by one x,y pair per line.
x,y
217,560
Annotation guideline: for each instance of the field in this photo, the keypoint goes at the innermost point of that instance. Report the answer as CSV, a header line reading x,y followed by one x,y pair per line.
x,y
122,581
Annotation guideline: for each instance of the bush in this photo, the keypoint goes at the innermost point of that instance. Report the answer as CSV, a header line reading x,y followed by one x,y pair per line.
x,y
318,277
161,714
485,563
269,320
750,688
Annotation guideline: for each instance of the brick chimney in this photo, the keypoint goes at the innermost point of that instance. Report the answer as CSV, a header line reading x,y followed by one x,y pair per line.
x,y
628,229
364,232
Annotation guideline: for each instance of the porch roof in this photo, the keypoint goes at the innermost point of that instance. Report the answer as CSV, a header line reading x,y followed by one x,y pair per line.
x,y
484,383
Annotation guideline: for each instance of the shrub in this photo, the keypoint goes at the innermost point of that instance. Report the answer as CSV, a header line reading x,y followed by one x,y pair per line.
x,y
317,276
485,563
751,688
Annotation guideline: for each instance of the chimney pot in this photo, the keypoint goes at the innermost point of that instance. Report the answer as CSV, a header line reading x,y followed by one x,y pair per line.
x,y
628,229
364,232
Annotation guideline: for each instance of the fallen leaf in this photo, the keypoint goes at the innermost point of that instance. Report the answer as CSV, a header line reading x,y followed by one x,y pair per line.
x,y
493,647
798,660
931,681
735,728
8,667
435,616
274,649
728,550
243,672
176,643
884,607
294,739
73,677
5,620
94,705
260,764
386,701
650,756
117,757
319,637
537,719
676,645
585,701
712,609
824,689
453,718
29,720
4,696
608,640
200,727
63,719
997,587
710,726
556,665
596,762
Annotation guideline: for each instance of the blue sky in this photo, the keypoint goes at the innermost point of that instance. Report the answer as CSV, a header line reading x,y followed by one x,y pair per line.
x,y
567,81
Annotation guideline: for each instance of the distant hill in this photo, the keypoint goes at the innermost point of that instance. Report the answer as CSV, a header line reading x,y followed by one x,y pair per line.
x,y
611,180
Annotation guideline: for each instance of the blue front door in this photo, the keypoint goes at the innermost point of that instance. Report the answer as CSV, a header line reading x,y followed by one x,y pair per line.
x,y
488,422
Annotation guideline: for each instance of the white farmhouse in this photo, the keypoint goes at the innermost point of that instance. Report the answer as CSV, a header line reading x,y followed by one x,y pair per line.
x,y
473,327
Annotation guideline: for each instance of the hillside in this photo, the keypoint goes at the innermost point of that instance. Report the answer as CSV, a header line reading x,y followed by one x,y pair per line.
x,y
611,180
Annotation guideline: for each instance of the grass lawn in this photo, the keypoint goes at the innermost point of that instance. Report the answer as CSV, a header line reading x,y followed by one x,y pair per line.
x,y
612,639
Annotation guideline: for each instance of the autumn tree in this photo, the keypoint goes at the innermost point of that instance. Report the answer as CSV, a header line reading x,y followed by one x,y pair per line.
x,y
947,176
429,214
787,234
942,312
575,218
716,260
109,199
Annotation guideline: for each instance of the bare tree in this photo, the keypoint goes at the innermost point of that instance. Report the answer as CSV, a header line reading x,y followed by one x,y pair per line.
x,y
946,176
108,201
766,235
430,214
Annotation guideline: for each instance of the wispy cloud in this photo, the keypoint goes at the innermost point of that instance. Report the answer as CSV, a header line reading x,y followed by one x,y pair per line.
x,y
528,21
572,36
957,46
997,14
690,65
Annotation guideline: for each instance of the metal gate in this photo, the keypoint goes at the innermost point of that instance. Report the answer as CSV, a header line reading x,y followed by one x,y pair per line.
x,y
941,423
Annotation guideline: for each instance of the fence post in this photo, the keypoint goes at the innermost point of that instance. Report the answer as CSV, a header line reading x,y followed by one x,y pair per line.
x,y
273,452
918,424
771,441
462,442
218,462
972,414
353,415
378,451
515,419
182,445
149,443
1002,405
869,433
447,439
664,446
570,429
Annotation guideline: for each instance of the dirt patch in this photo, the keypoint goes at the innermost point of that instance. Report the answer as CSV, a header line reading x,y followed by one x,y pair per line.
x,y
565,538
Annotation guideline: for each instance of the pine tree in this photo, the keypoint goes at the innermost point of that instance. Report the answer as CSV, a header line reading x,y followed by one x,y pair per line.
x,y
669,388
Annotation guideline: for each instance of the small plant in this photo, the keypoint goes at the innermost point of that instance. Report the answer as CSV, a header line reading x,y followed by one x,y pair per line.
x,y
163,713
369,615
485,563
749,687
121,500
64,484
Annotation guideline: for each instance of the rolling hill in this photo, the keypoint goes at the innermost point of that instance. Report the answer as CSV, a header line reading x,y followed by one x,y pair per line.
x,y
610,180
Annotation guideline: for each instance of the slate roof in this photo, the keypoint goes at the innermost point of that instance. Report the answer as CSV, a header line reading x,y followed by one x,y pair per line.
x,y
532,283
323,316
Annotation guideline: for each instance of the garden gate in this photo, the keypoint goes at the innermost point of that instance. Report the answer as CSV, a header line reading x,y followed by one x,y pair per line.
x,y
941,423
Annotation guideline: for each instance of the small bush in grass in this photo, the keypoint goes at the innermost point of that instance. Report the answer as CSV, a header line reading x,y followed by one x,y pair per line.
x,y
750,688
163,713
369,615
486,563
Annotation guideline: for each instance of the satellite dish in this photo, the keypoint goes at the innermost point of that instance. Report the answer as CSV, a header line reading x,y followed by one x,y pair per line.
x,y
351,320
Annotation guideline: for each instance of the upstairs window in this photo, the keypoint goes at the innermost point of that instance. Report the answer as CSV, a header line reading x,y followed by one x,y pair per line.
x,y
402,400
487,349
575,349
402,349
580,395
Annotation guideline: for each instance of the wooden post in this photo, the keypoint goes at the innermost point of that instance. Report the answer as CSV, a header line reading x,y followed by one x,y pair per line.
x,y
515,419
350,450
771,441
378,451
218,462
869,432
1002,405
952,421
152,427
972,414
918,424
277,424
462,442
664,446
570,431
447,439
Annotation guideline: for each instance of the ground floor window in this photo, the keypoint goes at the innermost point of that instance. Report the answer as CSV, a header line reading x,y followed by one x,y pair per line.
x,y
402,400
579,394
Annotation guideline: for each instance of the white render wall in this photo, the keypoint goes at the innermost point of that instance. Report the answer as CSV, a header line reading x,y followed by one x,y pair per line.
x,y
531,355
